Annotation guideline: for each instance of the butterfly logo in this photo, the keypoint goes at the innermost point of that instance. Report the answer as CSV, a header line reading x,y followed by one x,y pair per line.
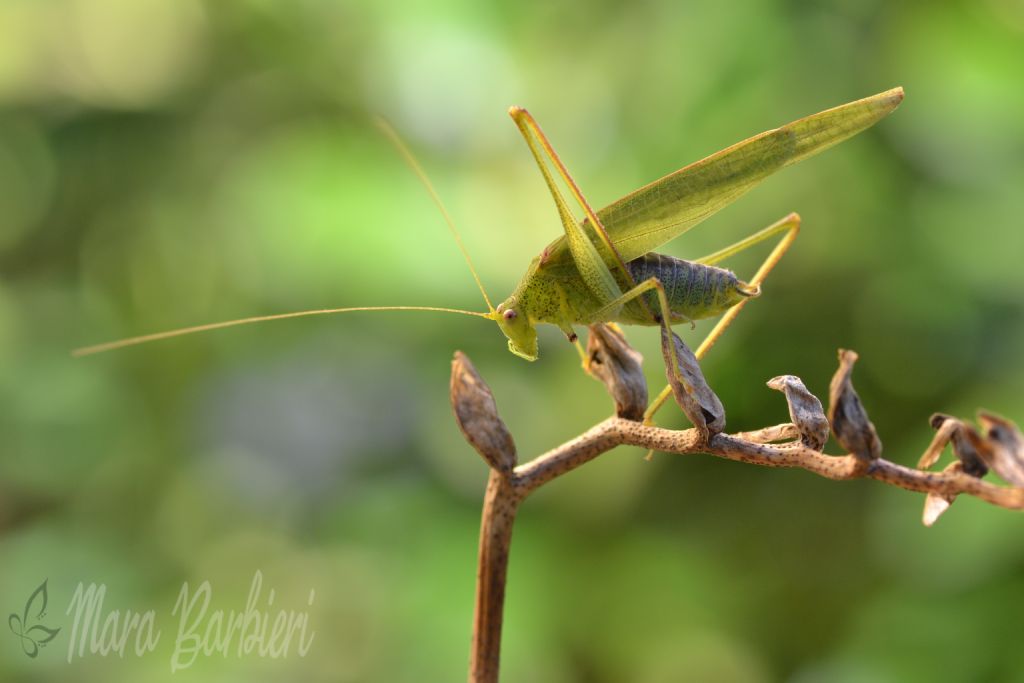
x,y
27,627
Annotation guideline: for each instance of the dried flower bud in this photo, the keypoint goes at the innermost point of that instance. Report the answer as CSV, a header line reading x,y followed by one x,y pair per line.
x,y
694,396
1006,452
969,456
477,416
804,410
1002,431
611,360
849,420
965,438
937,503
966,442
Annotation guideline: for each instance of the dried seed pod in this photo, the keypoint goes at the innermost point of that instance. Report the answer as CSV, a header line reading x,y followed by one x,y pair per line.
x,y
1002,431
1006,452
944,426
949,429
804,410
964,439
937,503
477,416
849,420
694,396
611,360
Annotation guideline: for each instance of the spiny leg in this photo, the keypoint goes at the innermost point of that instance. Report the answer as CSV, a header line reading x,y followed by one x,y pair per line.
x,y
790,225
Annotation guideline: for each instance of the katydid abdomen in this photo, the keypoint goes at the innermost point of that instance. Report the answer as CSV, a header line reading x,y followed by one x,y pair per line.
x,y
554,293
693,290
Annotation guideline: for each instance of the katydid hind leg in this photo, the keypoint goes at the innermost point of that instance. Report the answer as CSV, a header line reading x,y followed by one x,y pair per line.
x,y
592,267
790,223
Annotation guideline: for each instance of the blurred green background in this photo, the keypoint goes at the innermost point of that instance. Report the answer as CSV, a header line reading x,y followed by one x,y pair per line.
x,y
172,162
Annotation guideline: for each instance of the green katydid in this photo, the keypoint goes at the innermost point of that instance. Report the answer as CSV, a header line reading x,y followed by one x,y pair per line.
x,y
603,269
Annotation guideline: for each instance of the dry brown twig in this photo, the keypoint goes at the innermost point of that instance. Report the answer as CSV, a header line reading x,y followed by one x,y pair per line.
x,y
999,447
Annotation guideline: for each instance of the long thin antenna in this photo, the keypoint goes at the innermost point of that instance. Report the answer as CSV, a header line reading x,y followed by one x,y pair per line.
x,y
132,341
418,170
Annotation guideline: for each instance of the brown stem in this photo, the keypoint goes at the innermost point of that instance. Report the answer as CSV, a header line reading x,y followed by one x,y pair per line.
x,y
506,491
500,505
616,431
612,361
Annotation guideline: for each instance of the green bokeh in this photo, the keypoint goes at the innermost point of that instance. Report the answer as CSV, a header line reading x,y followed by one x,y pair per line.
x,y
176,162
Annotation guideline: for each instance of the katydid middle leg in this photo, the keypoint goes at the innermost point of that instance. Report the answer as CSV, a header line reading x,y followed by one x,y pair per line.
x,y
789,227
664,318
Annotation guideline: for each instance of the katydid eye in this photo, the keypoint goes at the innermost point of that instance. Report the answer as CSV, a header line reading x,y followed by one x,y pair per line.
x,y
510,314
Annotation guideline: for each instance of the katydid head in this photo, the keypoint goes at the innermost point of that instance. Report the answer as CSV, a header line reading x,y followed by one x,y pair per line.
x,y
522,337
